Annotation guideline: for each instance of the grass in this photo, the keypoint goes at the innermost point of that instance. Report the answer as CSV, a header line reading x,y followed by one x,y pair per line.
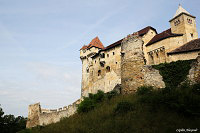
x,y
149,110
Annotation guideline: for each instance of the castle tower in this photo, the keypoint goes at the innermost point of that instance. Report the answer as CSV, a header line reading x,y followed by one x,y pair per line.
x,y
86,52
184,23
132,62
33,115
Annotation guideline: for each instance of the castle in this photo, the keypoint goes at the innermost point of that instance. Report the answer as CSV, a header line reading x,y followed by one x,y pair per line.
x,y
104,67
127,63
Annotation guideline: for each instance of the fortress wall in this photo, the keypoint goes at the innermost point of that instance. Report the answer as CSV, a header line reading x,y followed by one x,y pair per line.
x,y
55,116
194,73
38,116
152,77
133,71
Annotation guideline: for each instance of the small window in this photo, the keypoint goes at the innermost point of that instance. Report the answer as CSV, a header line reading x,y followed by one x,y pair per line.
x,y
156,54
113,53
192,35
95,61
87,70
107,55
108,69
189,21
116,62
99,72
102,55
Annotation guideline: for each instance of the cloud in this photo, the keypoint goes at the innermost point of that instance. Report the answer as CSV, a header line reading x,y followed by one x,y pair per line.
x,y
54,85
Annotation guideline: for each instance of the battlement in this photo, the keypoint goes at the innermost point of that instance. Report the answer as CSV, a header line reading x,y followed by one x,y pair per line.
x,y
39,116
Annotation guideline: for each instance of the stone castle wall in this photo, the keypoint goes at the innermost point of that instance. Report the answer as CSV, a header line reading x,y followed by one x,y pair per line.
x,y
101,72
39,116
134,72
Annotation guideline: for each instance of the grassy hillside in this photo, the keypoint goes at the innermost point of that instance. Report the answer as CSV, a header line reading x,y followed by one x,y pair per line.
x,y
148,111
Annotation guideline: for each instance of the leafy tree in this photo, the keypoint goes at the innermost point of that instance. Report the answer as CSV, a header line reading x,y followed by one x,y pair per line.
x,y
10,123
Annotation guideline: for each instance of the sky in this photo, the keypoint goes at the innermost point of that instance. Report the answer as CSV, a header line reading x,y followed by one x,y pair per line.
x,y
40,42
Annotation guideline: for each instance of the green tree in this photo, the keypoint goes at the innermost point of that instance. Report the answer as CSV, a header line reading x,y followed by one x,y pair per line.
x,y
10,123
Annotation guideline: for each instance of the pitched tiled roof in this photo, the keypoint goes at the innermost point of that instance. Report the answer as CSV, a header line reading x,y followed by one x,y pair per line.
x,y
84,47
188,47
94,43
140,33
165,34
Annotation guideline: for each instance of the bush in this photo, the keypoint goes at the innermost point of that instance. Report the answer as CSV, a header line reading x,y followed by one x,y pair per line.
x,y
86,105
184,99
144,90
111,94
196,88
89,103
123,107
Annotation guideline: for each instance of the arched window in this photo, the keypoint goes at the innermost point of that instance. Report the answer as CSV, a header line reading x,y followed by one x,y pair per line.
x,y
99,72
108,69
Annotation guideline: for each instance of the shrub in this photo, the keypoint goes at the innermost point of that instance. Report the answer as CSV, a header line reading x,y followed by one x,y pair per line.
x,y
144,90
196,88
123,107
86,105
111,94
89,103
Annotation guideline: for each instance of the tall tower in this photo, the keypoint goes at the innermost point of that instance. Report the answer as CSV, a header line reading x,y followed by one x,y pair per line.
x,y
184,23
86,53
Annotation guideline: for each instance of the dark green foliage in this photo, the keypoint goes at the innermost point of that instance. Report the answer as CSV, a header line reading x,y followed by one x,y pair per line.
x,y
157,110
175,72
123,107
196,88
10,123
111,94
86,105
89,103
182,99
144,90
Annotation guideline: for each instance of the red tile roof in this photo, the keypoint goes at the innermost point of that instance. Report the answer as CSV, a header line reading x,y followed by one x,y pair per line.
x,y
193,45
94,43
165,34
84,47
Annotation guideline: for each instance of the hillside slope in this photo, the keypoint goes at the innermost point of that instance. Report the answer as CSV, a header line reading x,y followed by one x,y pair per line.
x,y
149,110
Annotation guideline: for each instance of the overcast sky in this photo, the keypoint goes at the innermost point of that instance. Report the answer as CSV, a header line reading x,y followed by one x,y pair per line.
x,y
40,42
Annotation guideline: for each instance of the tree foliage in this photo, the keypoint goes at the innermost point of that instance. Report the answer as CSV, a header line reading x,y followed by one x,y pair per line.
x,y
10,123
